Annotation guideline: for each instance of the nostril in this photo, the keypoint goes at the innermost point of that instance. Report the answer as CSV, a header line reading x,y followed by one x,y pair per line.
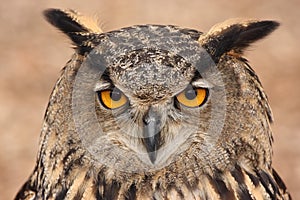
x,y
151,116
147,120
151,120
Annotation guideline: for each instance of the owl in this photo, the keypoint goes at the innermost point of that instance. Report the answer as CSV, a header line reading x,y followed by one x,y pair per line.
x,y
156,112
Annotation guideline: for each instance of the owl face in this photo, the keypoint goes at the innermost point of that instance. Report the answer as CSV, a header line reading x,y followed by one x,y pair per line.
x,y
155,95
150,98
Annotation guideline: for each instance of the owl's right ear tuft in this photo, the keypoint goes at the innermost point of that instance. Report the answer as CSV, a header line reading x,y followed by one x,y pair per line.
x,y
76,26
235,35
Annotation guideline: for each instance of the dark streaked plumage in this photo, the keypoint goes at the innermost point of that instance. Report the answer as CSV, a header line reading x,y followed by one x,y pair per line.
x,y
186,155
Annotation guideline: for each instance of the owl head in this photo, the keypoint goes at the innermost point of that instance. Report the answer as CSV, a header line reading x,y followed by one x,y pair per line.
x,y
149,97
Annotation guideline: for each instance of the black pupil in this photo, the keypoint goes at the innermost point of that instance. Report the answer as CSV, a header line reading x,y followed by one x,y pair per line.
x,y
191,94
115,95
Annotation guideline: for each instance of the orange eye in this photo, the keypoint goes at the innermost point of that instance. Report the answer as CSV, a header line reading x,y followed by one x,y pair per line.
x,y
112,98
193,97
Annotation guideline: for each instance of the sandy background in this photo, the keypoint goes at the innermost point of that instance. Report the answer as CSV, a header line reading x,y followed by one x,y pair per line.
x,y
32,54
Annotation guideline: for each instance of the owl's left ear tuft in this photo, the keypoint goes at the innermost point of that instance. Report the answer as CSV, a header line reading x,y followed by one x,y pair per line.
x,y
235,35
76,26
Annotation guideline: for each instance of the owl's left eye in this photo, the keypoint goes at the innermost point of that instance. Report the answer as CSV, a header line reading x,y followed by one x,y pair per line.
x,y
192,97
112,99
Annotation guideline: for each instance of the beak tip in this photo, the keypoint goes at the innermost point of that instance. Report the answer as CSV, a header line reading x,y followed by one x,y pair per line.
x,y
152,156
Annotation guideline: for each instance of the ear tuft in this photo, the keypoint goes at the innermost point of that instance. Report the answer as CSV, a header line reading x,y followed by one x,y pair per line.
x,y
235,35
71,21
76,26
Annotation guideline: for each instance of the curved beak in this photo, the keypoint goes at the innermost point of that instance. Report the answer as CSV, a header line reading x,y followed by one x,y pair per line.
x,y
151,133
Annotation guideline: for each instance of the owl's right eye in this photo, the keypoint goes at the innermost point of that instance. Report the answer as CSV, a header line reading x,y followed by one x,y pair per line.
x,y
112,99
192,97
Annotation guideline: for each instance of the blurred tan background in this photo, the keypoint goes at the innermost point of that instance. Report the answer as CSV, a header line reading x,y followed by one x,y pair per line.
x,y
32,54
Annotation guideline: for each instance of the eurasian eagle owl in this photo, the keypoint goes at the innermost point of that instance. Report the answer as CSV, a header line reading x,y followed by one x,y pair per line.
x,y
156,112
